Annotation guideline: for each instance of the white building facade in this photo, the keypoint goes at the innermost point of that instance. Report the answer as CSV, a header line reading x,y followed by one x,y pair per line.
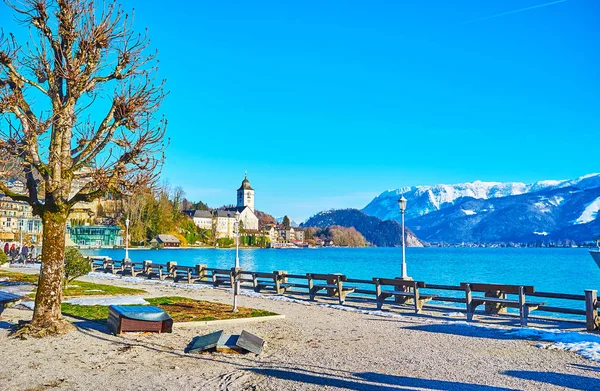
x,y
222,222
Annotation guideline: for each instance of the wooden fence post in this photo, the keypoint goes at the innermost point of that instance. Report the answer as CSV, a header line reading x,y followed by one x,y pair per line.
x,y
592,322
201,271
171,269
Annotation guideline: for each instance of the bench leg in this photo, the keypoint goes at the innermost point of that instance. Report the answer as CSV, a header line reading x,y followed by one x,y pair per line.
x,y
379,303
312,293
524,316
418,306
342,297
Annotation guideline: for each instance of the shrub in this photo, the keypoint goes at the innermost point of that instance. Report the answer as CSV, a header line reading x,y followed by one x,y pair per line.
x,y
75,265
3,258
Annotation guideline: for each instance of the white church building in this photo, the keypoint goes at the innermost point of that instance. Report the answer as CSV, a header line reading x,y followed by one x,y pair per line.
x,y
223,220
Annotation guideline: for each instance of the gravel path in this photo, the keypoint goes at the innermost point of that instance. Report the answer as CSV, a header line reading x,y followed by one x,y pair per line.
x,y
314,348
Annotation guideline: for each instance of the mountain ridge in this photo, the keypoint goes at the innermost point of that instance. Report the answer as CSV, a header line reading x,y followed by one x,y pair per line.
x,y
544,211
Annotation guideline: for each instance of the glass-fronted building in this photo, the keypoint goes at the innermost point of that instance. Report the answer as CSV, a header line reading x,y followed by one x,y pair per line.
x,y
96,235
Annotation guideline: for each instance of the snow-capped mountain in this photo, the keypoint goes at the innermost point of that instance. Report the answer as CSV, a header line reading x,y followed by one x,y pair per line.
x,y
494,211
292,222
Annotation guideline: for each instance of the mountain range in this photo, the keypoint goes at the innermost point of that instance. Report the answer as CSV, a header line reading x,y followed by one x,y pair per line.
x,y
495,212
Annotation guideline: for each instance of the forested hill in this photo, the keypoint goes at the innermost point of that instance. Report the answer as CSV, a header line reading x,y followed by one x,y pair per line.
x,y
378,232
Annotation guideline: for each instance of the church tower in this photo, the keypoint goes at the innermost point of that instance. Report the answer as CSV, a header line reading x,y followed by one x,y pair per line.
x,y
245,195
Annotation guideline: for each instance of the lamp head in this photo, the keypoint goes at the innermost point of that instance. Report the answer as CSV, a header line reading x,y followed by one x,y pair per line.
x,y
402,204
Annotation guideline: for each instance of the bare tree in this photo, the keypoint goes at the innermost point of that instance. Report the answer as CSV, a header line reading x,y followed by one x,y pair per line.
x,y
80,103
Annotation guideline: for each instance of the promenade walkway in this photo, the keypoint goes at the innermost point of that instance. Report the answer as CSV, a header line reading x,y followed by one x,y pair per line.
x,y
314,348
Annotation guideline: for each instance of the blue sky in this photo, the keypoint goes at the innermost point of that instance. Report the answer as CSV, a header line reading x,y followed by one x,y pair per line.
x,y
328,103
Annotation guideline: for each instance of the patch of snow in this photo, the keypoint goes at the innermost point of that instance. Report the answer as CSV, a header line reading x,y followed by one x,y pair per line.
x,y
454,314
543,207
556,200
26,266
17,288
541,233
28,304
137,280
468,212
585,344
590,212
113,300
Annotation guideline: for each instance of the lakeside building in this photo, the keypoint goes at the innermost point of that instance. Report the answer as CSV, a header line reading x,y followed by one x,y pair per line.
x,y
95,236
165,240
222,221
17,222
284,235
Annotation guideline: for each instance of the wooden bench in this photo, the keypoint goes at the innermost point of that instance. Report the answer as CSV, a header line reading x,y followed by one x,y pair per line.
x,y
97,262
152,270
132,268
402,290
222,276
8,300
113,266
188,273
496,300
276,281
333,283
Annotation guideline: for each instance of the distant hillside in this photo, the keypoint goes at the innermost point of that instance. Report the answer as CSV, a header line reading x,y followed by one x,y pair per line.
x,y
264,218
379,233
491,212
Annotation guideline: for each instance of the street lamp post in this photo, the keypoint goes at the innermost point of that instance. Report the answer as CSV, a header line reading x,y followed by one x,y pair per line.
x,y
402,205
127,239
236,285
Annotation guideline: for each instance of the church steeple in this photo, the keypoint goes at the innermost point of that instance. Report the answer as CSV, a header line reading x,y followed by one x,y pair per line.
x,y
245,194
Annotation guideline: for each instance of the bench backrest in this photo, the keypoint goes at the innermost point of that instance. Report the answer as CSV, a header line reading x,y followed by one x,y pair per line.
x,y
399,282
326,277
264,275
220,271
510,289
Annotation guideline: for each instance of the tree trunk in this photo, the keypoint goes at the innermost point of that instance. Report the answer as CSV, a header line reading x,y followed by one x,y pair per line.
x,y
47,317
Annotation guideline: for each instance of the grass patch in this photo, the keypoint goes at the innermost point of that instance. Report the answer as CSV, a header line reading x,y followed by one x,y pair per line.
x,y
19,277
181,309
91,312
75,288
84,288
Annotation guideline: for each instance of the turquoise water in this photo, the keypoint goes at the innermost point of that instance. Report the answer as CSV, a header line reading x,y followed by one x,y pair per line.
x,y
548,269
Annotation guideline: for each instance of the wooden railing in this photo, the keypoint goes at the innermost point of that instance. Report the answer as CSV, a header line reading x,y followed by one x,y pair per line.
x,y
298,284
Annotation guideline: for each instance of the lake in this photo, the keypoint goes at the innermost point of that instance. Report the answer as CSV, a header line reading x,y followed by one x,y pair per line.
x,y
564,270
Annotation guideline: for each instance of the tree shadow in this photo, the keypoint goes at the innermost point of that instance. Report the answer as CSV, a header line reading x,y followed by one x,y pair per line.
x,y
6,325
565,380
586,367
431,384
369,381
323,380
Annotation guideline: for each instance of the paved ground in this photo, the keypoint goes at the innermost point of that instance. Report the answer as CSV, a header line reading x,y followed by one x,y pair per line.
x,y
314,348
